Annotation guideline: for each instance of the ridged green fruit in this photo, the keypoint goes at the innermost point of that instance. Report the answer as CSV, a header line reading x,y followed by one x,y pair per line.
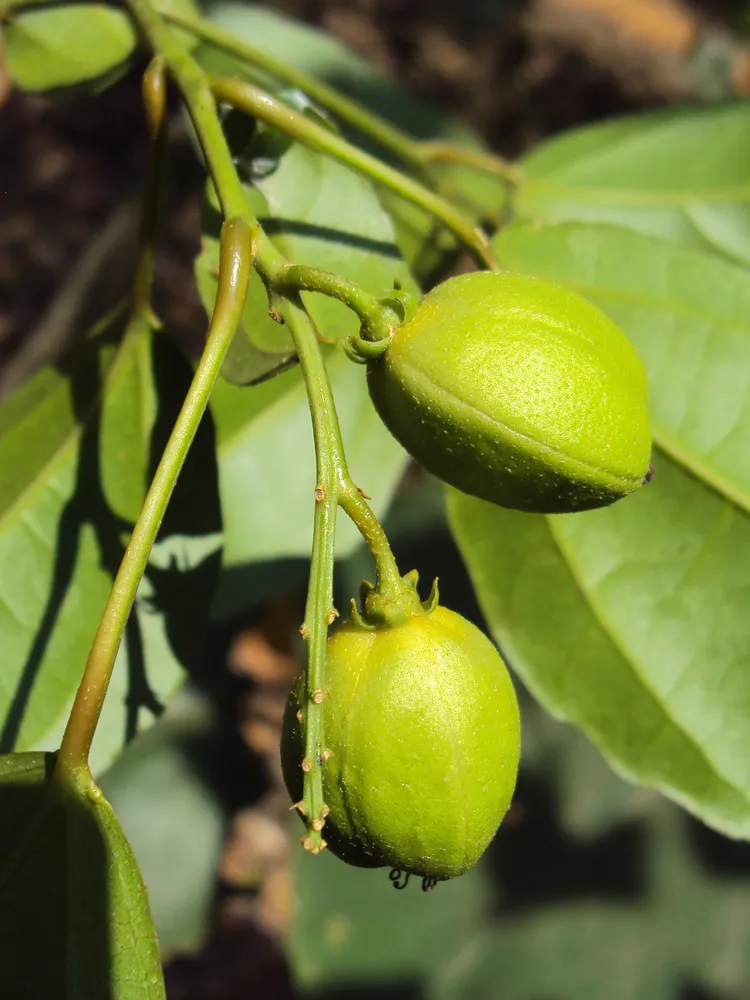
x,y
517,391
422,723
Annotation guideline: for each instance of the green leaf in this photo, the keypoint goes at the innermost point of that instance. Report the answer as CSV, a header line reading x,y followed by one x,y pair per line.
x,y
621,620
688,314
680,174
423,245
68,45
267,470
77,471
173,818
74,916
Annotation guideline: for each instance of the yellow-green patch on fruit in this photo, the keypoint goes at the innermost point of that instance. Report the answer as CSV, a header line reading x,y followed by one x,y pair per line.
x,y
518,391
423,726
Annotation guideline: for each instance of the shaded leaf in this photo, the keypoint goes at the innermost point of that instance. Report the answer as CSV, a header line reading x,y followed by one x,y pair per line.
x,y
680,174
688,314
64,46
323,214
684,927
74,916
77,471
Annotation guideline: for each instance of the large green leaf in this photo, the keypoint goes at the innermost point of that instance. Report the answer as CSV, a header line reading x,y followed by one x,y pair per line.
x,y
267,470
76,470
326,57
74,916
67,45
686,311
621,621
681,174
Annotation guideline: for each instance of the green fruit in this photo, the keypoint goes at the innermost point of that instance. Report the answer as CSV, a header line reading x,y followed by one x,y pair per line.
x,y
422,722
517,391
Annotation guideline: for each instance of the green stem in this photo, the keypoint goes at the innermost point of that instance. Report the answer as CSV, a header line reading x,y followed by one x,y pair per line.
x,y
376,318
244,96
234,274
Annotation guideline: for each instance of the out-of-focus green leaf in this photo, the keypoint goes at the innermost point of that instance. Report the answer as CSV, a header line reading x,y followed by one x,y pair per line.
x,y
688,314
173,819
423,244
267,469
74,916
78,445
74,43
68,45
681,931
395,941
681,174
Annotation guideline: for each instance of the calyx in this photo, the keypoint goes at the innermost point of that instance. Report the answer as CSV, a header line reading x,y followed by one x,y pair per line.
x,y
388,607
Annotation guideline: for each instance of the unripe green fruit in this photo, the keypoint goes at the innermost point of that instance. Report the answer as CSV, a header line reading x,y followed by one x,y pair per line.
x,y
517,391
422,723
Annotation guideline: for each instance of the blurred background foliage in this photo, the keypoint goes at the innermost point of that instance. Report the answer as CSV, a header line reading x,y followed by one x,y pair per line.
x,y
593,887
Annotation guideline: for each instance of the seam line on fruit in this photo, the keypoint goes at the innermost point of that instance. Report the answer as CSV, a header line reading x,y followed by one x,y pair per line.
x,y
627,484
